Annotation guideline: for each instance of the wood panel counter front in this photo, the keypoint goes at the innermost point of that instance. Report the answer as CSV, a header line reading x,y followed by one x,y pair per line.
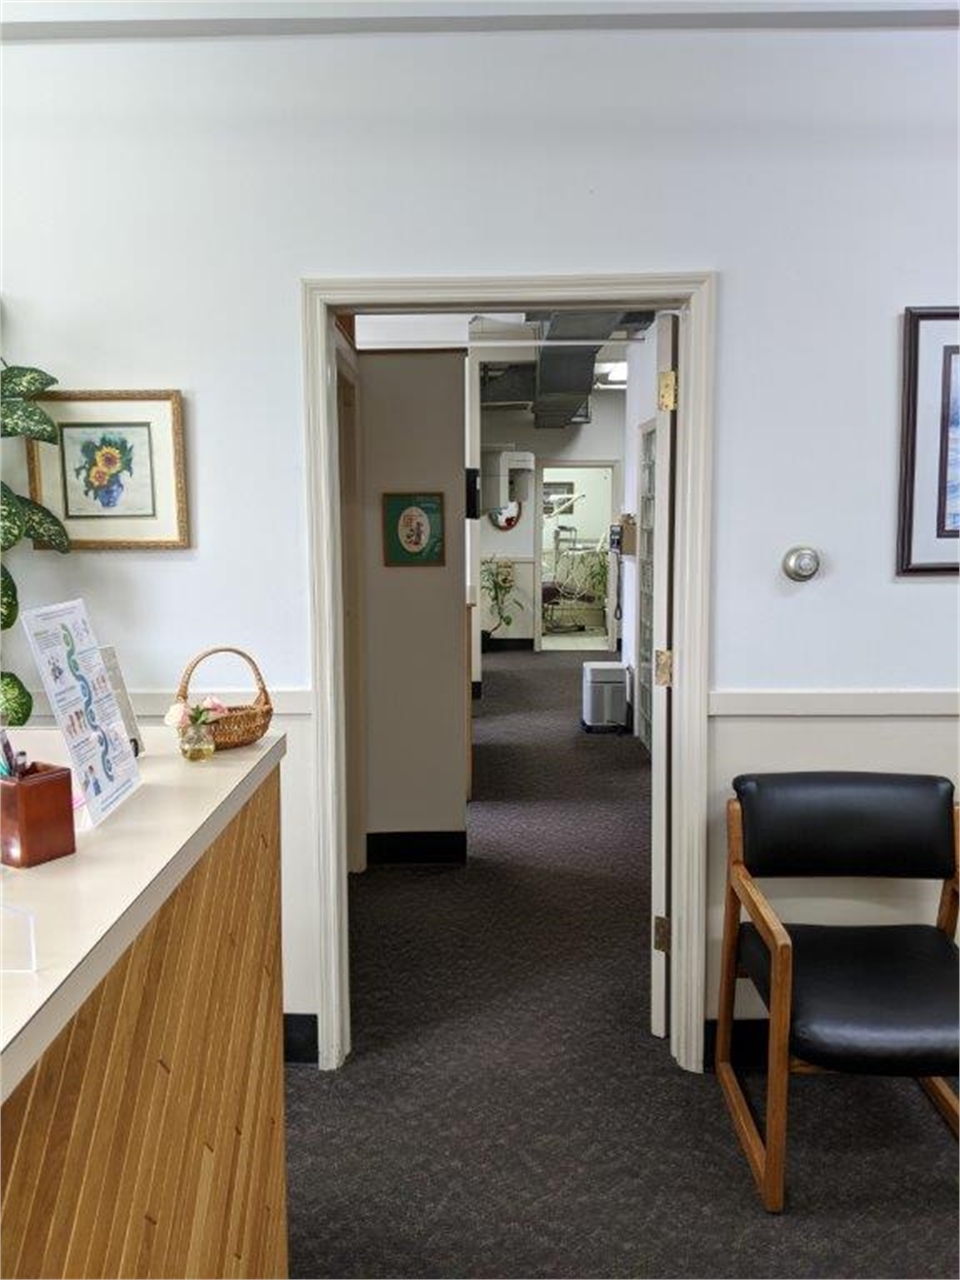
x,y
142,1063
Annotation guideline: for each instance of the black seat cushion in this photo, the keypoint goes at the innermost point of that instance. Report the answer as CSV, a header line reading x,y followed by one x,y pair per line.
x,y
877,999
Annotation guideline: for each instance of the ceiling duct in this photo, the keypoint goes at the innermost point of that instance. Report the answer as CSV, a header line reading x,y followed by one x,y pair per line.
x,y
510,386
565,374
556,389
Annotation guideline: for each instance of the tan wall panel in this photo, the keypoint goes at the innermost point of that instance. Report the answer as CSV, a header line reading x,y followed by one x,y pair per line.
x,y
148,1140
774,743
412,421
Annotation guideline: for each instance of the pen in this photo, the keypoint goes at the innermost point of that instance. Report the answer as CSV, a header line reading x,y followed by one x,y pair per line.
x,y
21,763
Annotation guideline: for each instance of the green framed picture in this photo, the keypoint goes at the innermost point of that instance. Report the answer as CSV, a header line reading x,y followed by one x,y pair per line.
x,y
413,531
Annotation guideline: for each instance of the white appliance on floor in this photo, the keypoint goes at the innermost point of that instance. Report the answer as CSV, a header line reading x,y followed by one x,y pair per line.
x,y
606,696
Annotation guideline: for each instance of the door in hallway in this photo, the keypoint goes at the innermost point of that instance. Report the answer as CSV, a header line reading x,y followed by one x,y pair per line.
x,y
655,649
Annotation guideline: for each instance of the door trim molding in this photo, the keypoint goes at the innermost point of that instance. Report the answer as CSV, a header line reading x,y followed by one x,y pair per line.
x,y
693,295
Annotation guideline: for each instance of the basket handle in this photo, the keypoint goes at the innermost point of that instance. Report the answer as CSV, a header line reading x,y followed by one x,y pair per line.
x,y
183,688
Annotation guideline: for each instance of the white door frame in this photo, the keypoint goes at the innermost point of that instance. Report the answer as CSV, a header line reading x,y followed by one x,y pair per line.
x,y
615,467
693,296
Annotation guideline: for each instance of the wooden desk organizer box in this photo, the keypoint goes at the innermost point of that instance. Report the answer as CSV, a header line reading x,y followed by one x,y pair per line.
x,y
36,816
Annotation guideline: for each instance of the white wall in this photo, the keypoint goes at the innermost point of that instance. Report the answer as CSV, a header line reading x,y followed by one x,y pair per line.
x,y
412,423
163,200
162,244
599,440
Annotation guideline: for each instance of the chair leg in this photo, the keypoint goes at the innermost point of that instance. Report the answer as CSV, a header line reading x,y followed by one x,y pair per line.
x,y
778,1081
942,1097
766,1160
728,978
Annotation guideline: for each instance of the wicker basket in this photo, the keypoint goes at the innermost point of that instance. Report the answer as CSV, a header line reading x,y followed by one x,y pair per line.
x,y
241,725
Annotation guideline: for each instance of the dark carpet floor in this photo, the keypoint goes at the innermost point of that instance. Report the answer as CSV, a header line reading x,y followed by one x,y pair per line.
x,y
505,1111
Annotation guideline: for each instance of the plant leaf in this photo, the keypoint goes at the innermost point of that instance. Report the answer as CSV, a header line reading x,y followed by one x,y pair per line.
x,y
24,418
43,526
12,519
20,382
16,702
9,604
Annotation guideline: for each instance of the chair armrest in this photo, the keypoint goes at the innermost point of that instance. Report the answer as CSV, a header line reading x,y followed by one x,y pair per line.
x,y
768,923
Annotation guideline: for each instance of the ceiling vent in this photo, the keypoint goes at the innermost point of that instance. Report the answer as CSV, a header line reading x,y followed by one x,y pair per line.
x,y
556,389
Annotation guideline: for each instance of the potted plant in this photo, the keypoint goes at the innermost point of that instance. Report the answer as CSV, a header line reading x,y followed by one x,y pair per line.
x,y
595,576
20,517
498,583
192,720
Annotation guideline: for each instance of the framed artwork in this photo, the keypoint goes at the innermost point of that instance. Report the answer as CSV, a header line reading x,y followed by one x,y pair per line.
x,y
117,480
929,532
413,532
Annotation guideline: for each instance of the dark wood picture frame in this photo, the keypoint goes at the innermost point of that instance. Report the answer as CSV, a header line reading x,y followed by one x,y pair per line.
x,y
907,563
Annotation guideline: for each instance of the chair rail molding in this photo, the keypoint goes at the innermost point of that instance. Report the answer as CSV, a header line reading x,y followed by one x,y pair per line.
x,y
692,294
834,702
153,703
80,19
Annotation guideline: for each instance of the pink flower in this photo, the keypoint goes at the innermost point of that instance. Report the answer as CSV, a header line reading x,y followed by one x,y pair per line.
x,y
214,708
178,717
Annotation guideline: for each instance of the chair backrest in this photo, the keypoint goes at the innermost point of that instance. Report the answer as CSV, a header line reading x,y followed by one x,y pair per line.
x,y
847,824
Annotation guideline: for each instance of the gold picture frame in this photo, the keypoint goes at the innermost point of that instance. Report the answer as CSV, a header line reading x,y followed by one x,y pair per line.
x,y
117,478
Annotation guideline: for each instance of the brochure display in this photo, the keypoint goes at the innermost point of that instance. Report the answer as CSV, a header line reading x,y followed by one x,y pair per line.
x,y
109,656
77,683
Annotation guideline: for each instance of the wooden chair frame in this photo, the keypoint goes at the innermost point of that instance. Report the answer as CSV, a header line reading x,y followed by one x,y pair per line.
x,y
767,1159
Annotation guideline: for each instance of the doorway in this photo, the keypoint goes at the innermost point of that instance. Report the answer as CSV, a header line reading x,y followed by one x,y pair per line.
x,y
577,504
692,295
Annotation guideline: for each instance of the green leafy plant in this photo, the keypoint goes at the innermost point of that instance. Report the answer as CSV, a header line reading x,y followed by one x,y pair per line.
x,y
20,517
498,583
595,575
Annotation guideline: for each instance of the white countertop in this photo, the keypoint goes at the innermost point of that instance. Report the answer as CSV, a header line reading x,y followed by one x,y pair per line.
x,y
90,906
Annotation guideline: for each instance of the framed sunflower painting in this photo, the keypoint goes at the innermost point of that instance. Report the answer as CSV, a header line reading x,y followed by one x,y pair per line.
x,y
117,480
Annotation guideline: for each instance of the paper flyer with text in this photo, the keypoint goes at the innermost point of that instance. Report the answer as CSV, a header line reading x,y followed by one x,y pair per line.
x,y
81,697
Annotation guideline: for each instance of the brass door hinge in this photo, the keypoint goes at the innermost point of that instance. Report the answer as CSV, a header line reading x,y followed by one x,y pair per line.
x,y
661,934
663,667
667,390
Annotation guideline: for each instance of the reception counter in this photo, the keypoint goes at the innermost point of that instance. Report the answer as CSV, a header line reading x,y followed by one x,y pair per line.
x,y
142,1058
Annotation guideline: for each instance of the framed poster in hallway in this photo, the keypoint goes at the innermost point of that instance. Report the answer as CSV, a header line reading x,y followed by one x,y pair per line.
x,y
929,534
413,533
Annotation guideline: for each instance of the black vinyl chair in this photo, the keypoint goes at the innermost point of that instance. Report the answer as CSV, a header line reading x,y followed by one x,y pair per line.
x,y
873,999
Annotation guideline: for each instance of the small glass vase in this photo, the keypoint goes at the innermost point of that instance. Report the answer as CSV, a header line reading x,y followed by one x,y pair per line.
x,y
196,742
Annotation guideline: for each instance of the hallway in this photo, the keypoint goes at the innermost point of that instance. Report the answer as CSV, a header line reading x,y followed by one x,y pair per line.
x,y
505,1111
